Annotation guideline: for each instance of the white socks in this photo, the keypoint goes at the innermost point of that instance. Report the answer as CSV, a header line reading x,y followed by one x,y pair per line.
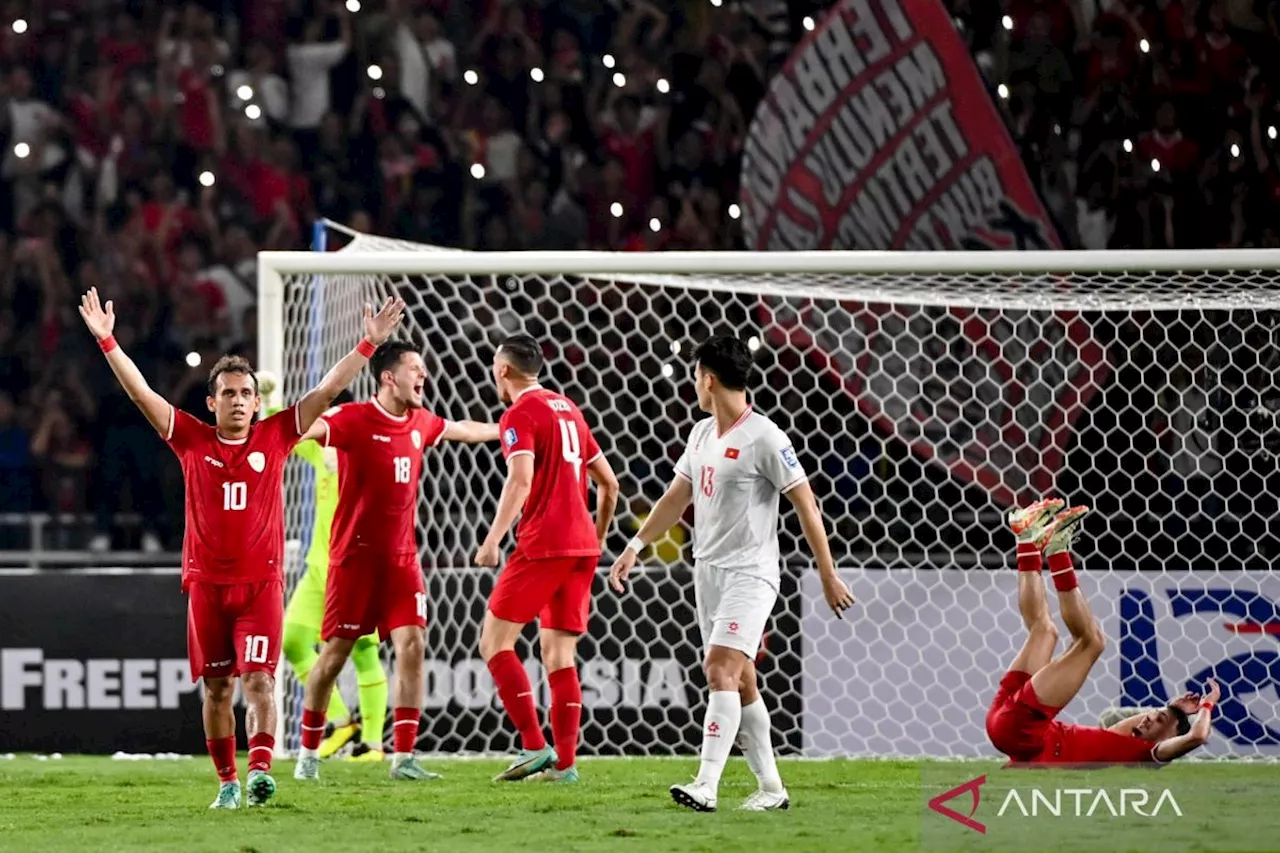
x,y
719,728
757,746
303,752
398,758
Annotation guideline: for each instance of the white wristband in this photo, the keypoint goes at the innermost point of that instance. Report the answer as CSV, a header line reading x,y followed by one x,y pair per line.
x,y
637,544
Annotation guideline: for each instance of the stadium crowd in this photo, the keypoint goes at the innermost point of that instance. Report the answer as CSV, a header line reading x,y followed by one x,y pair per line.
x,y
152,149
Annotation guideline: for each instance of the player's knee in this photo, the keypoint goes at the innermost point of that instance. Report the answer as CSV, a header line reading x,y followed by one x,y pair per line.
x,y
1093,640
258,685
723,673
410,647
298,642
1045,630
218,691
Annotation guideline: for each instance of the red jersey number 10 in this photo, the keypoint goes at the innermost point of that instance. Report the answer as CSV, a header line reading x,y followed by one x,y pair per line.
x,y
234,496
571,446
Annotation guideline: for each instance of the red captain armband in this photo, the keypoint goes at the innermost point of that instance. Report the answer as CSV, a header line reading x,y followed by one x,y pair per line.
x,y
366,348
107,344
1206,706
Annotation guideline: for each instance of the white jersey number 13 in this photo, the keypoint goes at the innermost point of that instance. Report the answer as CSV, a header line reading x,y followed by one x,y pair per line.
x,y
570,446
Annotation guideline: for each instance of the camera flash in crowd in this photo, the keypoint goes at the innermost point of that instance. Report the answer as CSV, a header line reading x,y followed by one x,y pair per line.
x,y
616,209
477,171
1235,150
608,61
471,76
253,112
664,87
379,92
21,150
206,178
536,75
374,72
619,79
1007,22
668,371
808,23
193,359
1271,132
1128,146
734,211
217,70
717,3
1003,91
245,92
20,26
655,224
1144,46
675,347
753,343
353,6
1155,165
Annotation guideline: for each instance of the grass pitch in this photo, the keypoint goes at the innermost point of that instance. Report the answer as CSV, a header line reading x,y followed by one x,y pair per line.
x,y
89,804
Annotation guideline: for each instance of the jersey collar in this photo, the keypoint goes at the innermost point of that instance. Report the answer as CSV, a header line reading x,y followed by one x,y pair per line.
x,y
230,440
526,391
746,413
397,418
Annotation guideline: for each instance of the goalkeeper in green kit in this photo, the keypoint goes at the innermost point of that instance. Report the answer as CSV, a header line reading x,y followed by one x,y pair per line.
x,y
305,612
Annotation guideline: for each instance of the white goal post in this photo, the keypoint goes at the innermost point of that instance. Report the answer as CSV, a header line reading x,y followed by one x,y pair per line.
x,y
926,394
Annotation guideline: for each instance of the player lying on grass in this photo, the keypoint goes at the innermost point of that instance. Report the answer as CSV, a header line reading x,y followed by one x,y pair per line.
x,y
733,469
1021,722
375,582
304,613
550,455
233,549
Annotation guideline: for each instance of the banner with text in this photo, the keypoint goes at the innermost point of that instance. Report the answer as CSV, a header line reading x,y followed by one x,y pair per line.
x,y
920,666
879,134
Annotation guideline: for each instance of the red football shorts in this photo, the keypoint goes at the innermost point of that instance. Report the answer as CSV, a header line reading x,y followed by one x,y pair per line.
x,y
555,591
1018,721
234,628
365,595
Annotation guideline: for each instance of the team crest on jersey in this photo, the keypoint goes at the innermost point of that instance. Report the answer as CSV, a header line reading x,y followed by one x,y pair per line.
x,y
509,437
416,438
789,458
731,453
257,461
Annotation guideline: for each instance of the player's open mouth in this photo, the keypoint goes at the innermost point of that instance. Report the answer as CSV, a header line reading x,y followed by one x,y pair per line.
x,y
417,389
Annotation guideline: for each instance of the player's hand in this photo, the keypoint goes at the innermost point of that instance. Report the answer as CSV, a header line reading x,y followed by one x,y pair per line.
x,y
100,322
621,568
378,327
1187,703
267,383
1214,692
488,555
837,594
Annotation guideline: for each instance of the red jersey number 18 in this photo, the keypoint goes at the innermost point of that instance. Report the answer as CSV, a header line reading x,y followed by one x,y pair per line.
x,y
571,446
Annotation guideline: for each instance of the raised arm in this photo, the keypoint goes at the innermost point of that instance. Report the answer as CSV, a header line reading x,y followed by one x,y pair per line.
x,y
834,590
606,481
101,322
377,328
514,493
1176,747
470,432
665,513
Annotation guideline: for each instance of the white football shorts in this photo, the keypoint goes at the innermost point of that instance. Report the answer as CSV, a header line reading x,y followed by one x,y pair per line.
x,y
733,608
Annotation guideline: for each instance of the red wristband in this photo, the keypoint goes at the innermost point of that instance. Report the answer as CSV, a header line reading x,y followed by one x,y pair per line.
x,y
366,348
1206,706
107,344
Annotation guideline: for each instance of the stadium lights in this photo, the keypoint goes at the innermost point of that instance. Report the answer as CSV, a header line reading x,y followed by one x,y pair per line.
x,y
619,79
471,77
245,92
1235,150
1128,146
664,87
21,150
477,170
217,70
20,26
206,178
668,371
253,112
374,72
808,23
1144,46
353,6
1003,91
675,347
1057,129
753,343
608,60
1006,22
734,211
536,75
1271,132
655,224
1155,165
717,3
379,92
616,210
193,359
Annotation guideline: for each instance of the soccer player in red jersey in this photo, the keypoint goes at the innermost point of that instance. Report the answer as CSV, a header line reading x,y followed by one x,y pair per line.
x,y
375,582
1021,722
233,550
550,453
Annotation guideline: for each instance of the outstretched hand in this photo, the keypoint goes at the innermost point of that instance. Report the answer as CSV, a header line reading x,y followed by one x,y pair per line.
x,y
1187,703
621,568
100,322
378,327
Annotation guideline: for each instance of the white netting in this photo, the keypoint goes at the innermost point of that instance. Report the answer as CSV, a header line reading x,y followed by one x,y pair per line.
x,y
924,403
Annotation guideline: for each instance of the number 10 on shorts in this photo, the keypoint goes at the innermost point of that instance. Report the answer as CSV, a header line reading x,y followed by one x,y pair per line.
x,y
255,649
420,602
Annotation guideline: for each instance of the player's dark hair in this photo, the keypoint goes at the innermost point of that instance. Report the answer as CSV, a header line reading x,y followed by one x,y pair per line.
x,y
728,358
1184,722
344,397
524,353
386,357
231,364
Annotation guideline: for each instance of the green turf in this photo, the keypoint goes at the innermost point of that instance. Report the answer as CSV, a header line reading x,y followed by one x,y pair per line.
x,y
90,804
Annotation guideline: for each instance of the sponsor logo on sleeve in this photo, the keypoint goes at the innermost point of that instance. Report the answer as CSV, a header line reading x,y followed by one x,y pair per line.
x,y
509,437
789,458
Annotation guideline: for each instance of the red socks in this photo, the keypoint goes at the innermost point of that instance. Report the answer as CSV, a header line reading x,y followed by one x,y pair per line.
x,y
1028,557
566,714
517,697
261,750
404,733
1063,571
223,752
312,728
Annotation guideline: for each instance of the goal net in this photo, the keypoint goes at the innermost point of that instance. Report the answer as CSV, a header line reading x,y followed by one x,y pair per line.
x,y
926,394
